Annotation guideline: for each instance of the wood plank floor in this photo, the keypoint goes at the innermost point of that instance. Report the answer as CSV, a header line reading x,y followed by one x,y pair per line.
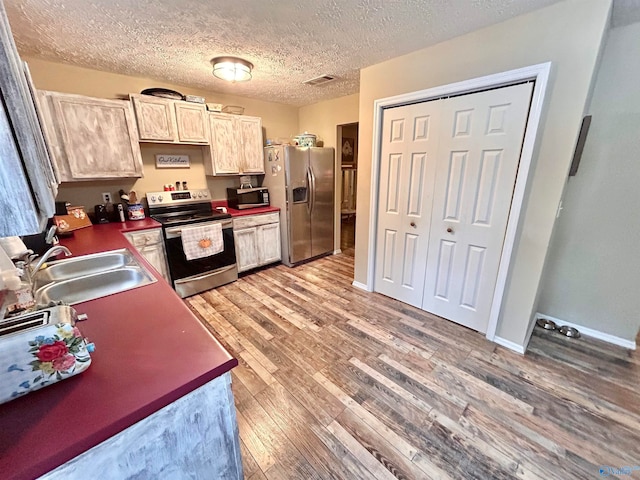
x,y
337,383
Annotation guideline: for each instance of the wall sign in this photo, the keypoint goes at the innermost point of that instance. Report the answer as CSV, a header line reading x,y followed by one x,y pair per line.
x,y
172,161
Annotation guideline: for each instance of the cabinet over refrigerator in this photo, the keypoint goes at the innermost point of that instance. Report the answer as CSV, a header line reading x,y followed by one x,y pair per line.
x,y
301,182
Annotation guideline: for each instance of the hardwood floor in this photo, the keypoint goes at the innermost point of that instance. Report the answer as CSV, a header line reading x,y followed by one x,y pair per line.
x,y
338,383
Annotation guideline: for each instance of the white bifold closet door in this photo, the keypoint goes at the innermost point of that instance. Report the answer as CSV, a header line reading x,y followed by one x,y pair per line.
x,y
447,174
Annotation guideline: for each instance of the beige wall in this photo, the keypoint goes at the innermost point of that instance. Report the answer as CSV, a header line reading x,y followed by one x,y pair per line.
x,y
278,121
569,34
323,119
593,269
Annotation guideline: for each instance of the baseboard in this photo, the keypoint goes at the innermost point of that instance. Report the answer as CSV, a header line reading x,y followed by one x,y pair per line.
x,y
589,332
336,252
509,344
361,286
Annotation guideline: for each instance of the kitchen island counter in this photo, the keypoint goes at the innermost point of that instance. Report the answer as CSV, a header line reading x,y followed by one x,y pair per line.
x,y
150,351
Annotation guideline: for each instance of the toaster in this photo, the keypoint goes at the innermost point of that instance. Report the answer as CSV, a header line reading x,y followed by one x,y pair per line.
x,y
40,348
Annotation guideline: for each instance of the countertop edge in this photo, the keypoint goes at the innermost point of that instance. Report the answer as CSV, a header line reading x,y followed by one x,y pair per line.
x,y
60,456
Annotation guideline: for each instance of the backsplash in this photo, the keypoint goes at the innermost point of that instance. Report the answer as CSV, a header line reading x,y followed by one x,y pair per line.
x,y
90,193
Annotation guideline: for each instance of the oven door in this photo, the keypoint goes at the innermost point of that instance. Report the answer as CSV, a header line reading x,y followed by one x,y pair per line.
x,y
194,276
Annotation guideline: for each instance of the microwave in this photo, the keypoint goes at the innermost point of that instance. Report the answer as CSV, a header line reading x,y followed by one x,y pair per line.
x,y
242,198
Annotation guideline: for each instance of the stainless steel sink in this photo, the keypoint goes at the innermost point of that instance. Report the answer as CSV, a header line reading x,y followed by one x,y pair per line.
x,y
83,265
88,277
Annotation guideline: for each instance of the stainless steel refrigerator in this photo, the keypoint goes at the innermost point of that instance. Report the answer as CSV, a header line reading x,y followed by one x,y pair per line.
x,y
301,182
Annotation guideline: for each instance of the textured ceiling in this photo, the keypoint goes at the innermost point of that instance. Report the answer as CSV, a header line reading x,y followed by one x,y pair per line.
x,y
287,41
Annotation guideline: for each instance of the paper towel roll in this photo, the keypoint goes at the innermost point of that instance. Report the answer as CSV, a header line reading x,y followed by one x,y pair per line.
x,y
13,246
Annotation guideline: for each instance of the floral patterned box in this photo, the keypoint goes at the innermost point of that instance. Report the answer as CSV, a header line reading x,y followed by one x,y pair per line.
x,y
49,350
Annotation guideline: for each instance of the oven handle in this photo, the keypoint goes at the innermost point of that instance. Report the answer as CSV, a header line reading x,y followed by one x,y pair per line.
x,y
208,274
178,231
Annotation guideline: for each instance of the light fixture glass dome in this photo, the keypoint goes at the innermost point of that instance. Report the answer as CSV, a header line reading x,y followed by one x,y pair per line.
x,y
232,69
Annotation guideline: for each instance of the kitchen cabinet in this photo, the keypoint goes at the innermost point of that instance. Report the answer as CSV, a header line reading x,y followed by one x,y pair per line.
x,y
162,120
191,119
28,185
250,146
90,138
150,245
155,118
257,240
236,145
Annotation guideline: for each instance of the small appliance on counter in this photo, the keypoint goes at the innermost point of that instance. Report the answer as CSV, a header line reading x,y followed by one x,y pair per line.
x,y
243,198
102,216
40,348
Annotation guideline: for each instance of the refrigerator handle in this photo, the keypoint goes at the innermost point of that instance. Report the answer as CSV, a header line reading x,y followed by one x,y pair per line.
x,y
312,200
309,191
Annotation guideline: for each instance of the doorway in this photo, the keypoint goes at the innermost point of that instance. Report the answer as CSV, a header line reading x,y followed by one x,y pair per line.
x,y
348,160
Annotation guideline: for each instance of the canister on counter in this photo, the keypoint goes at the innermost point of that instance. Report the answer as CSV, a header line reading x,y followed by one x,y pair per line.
x,y
136,211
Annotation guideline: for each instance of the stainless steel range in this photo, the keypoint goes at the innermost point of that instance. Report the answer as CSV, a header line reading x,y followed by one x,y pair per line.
x,y
177,210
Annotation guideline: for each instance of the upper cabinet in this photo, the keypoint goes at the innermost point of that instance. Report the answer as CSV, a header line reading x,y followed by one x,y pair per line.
x,y
162,120
91,138
251,147
156,121
236,145
224,158
192,122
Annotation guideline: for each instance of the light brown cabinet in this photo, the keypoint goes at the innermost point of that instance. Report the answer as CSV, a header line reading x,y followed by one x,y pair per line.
x,y
236,145
90,138
257,240
162,120
150,245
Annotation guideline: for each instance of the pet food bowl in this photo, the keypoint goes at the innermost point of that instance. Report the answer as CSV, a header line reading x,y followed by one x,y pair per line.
x,y
568,331
546,324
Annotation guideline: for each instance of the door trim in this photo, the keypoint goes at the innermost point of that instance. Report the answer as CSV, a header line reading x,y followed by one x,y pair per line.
x,y
538,73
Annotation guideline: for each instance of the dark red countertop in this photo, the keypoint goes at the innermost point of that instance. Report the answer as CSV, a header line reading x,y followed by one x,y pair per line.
x,y
150,351
240,213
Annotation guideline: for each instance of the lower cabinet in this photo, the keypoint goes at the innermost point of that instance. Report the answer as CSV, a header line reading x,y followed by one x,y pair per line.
x,y
257,240
150,245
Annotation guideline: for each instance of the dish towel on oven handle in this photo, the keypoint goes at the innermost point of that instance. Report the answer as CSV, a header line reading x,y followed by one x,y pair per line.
x,y
200,242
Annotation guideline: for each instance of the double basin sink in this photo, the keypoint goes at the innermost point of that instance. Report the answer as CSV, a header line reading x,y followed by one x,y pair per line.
x,y
87,277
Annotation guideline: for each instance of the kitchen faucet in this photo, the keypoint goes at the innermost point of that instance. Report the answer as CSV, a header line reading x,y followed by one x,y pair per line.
x,y
31,272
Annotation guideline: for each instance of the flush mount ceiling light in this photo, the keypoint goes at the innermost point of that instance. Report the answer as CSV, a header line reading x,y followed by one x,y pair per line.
x,y
232,69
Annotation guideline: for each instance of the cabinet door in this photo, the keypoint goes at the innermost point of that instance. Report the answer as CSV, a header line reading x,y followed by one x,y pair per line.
x,y
150,245
155,118
269,243
251,145
246,248
224,144
191,119
155,255
96,138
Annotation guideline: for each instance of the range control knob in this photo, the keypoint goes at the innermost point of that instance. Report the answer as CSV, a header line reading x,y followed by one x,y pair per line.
x,y
159,198
199,194
205,194
153,198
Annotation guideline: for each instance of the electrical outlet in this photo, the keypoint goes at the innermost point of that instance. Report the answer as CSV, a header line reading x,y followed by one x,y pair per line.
x,y
106,197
